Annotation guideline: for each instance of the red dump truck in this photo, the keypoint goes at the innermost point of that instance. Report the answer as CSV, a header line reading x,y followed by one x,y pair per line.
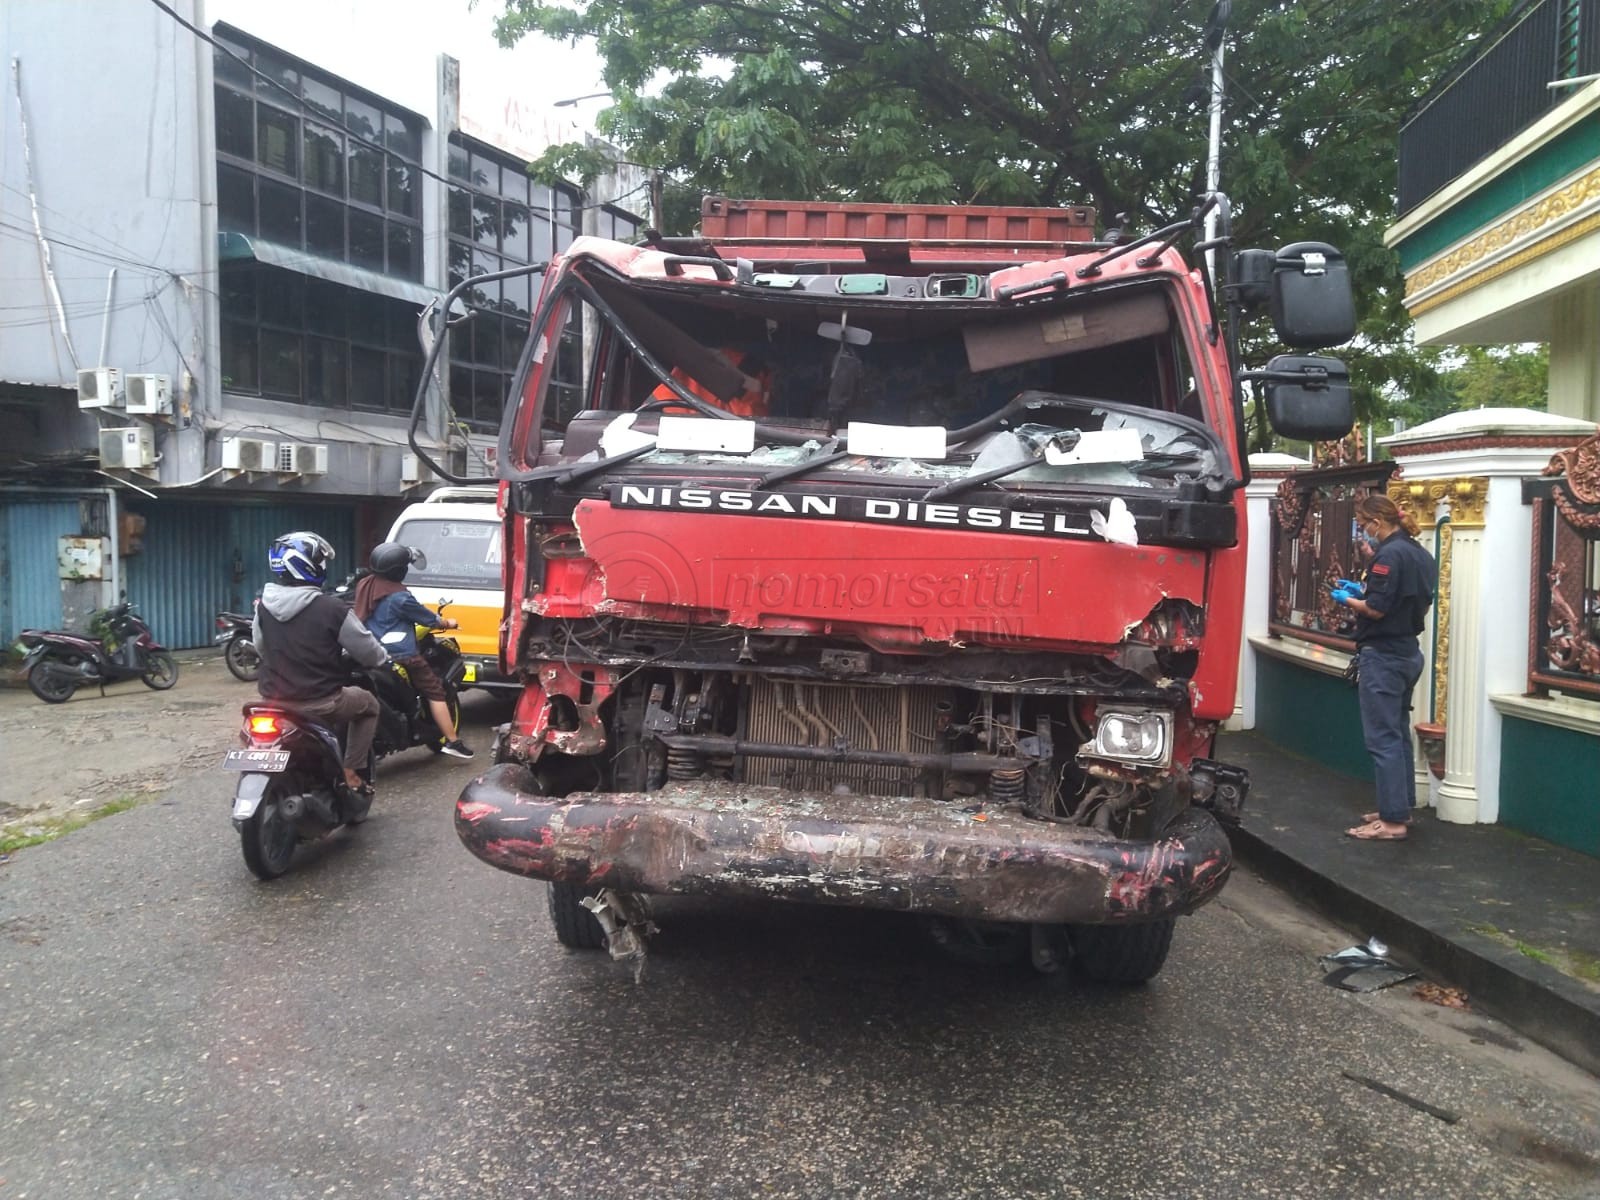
x,y
890,556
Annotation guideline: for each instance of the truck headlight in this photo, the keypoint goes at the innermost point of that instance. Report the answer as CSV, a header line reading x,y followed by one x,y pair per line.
x,y
1133,735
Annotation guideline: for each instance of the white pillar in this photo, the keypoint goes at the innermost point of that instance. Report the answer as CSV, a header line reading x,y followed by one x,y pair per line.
x,y
1458,793
1267,471
1575,354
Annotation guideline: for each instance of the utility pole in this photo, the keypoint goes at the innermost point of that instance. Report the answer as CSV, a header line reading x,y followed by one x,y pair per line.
x,y
1215,37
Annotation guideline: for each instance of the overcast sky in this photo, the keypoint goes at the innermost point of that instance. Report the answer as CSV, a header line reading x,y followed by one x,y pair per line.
x,y
388,46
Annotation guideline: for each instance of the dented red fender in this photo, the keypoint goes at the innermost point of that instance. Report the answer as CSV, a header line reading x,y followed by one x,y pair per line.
x,y
947,584
897,853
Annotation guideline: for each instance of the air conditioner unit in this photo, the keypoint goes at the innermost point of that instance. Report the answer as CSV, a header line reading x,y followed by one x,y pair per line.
x,y
413,472
249,454
303,458
148,395
129,448
99,387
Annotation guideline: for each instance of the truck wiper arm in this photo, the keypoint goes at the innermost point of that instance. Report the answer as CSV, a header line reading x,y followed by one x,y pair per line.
x,y
588,470
1153,461
956,486
827,455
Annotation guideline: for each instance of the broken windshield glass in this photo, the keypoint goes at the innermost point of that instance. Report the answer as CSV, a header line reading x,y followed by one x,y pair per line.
x,y
958,392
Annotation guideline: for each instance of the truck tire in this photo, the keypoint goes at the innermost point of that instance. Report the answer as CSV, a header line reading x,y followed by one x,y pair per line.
x,y
576,927
1123,953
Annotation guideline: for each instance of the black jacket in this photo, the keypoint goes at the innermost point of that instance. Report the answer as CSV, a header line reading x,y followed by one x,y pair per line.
x,y
1400,584
299,633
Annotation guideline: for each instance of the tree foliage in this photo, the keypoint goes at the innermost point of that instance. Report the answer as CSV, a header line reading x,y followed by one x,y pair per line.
x,y
1039,102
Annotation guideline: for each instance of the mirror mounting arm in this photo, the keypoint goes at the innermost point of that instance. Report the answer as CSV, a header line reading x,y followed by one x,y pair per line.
x,y
1315,378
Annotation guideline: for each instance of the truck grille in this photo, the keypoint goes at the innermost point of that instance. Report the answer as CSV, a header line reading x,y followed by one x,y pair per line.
x,y
819,714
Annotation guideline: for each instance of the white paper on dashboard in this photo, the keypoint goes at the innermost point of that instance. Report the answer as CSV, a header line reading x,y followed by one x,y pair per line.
x,y
620,436
706,433
895,441
1098,446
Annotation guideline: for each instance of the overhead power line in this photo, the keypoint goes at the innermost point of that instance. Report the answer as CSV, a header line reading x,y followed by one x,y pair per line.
x,y
305,108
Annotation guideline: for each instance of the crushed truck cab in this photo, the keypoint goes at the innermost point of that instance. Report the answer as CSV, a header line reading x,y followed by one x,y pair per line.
x,y
890,557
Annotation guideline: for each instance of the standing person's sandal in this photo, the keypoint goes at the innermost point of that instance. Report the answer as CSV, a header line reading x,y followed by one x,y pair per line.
x,y
1374,831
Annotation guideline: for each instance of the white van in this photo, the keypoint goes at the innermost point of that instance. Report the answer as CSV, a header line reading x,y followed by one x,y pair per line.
x,y
459,530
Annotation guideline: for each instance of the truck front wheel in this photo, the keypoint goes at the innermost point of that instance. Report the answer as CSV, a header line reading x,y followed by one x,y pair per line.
x,y
576,927
1123,953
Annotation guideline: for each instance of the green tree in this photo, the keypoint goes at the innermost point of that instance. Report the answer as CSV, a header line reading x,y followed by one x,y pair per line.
x,y
1038,102
1478,377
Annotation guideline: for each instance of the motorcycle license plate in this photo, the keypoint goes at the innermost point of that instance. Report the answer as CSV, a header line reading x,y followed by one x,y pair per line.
x,y
256,760
470,675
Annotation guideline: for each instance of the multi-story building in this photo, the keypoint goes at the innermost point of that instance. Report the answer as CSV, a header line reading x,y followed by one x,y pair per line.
x,y
1498,232
214,256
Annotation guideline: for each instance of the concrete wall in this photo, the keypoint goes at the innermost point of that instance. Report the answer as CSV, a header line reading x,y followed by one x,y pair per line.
x,y
1312,713
121,173
1548,783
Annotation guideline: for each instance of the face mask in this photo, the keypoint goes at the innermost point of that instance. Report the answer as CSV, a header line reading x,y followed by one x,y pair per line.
x,y
1361,537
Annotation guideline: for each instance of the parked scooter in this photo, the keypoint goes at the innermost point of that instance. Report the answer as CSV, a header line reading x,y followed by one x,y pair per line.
x,y
118,646
239,653
291,786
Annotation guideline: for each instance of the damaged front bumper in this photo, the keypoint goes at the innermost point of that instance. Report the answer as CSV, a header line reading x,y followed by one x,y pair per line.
x,y
899,853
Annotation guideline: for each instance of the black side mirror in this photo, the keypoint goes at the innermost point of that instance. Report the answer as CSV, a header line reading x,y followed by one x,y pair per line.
x,y
1310,294
1308,398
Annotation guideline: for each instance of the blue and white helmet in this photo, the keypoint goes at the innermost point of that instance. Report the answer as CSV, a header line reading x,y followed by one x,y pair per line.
x,y
300,558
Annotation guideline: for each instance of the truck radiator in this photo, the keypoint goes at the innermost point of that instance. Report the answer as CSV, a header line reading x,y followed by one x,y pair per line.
x,y
897,719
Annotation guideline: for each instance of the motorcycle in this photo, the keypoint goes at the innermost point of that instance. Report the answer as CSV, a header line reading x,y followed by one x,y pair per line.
x,y
406,719
119,646
239,653
291,785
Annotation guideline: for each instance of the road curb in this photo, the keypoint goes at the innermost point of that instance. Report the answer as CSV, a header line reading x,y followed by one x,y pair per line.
x,y
1538,1001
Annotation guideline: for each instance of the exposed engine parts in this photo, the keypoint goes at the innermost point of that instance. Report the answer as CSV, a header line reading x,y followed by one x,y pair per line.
x,y
1044,757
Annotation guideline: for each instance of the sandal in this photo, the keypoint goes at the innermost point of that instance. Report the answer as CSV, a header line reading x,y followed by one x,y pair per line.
x,y
1374,831
1369,818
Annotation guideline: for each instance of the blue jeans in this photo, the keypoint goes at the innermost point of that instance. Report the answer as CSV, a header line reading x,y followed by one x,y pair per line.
x,y
1389,670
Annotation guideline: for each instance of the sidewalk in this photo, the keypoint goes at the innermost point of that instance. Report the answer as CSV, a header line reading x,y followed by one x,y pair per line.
x,y
1477,907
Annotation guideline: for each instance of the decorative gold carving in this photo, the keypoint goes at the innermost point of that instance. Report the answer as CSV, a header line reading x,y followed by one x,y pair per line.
x,y
1441,619
1467,497
1547,212
1411,497
1420,498
1508,264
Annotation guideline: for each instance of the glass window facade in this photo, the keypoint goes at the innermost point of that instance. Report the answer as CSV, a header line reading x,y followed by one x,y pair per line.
x,y
287,336
314,165
498,219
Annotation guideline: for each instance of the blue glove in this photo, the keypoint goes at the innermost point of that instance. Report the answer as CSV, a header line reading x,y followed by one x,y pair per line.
x,y
1342,595
1351,586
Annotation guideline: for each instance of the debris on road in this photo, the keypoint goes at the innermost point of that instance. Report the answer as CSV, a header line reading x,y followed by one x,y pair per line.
x,y
1364,968
1446,997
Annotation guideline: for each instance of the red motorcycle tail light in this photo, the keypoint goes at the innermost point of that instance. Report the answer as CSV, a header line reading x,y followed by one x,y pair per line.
x,y
264,726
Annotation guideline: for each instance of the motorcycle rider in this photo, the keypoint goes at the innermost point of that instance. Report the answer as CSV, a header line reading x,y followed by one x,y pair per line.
x,y
392,613
299,631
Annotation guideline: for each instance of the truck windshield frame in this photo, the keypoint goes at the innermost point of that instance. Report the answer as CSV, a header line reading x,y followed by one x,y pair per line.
x,y
921,360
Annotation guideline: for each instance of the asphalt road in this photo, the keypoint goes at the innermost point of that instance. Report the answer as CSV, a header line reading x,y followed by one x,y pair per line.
x,y
395,1019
